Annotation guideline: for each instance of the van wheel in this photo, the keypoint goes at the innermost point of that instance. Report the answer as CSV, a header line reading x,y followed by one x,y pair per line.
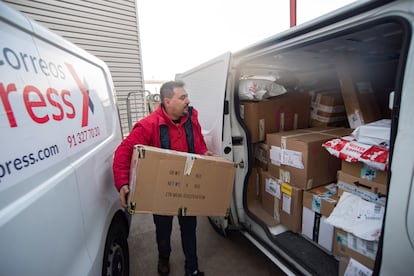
x,y
116,255
219,230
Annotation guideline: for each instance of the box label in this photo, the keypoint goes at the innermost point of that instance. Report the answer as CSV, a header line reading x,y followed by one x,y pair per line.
x,y
356,268
368,173
292,158
275,155
287,189
364,247
273,187
287,199
316,203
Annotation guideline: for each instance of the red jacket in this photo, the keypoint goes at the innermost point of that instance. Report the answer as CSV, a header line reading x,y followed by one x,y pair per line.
x,y
147,132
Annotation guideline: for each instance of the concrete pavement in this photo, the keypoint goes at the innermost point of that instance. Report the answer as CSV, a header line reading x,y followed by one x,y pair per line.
x,y
217,255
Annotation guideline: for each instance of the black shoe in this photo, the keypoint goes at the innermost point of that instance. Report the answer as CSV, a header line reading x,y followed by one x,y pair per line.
x,y
196,272
163,266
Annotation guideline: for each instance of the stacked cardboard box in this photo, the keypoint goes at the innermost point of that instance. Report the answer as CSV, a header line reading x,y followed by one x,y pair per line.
x,y
253,186
298,158
261,155
349,245
291,207
350,266
318,204
328,109
363,171
369,184
299,162
271,195
364,188
358,95
284,112
283,202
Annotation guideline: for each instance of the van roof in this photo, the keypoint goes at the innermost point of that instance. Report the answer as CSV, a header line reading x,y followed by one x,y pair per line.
x,y
330,18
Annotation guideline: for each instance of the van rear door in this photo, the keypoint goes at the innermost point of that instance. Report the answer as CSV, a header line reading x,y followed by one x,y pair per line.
x,y
206,86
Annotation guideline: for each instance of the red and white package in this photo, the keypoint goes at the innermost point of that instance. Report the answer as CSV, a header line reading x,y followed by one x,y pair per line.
x,y
348,149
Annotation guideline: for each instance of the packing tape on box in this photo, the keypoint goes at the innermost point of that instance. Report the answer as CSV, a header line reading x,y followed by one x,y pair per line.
x,y
189,162
141,152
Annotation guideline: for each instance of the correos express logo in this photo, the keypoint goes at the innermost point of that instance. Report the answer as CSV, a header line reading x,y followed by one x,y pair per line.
x,y
53,98
50,106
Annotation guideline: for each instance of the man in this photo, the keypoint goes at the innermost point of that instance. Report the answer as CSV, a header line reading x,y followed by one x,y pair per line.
x,y
174,125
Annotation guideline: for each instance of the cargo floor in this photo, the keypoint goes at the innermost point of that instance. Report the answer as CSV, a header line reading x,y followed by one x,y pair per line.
x,y
307,254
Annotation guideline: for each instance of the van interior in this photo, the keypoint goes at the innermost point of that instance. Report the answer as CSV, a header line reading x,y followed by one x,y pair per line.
x,y
367,60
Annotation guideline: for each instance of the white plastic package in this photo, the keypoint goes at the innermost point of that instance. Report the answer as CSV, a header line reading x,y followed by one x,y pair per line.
x,y
259,88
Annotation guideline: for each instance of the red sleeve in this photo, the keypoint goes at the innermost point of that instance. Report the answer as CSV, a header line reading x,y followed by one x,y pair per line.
x,y
123,154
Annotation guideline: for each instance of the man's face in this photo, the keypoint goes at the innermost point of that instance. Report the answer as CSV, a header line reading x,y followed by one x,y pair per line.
x,y
177,106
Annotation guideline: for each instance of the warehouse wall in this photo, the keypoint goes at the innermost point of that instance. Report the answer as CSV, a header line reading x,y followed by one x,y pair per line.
x,y
107,29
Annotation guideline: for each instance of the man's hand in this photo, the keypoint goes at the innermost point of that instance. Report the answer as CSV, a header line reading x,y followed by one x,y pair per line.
x,y
123,192
209,153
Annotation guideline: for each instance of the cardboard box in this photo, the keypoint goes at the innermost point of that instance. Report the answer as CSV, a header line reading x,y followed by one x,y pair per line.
x,y
358,95
271,195
314,227
168,182
366,189
321,199
253,185
361,170
291,207
297,157
359,98
361,250
328,109
284,112
349,266
318,204
261,155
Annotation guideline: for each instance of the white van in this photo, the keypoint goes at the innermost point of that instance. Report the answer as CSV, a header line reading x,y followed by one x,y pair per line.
x,y
59,125
365,49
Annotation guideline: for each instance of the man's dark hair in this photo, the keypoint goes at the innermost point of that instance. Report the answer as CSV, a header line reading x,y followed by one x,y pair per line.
x,y
167,89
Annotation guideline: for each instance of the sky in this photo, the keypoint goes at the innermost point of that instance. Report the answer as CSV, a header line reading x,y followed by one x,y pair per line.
x,y
177,35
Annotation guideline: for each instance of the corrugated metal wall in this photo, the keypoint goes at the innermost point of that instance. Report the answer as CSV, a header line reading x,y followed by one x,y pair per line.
x,y
107,29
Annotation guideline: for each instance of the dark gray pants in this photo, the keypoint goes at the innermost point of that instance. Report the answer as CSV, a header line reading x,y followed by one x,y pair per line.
x,y
188,224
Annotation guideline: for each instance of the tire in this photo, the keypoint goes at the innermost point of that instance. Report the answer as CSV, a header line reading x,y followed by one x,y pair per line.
x,y
220,231
116,255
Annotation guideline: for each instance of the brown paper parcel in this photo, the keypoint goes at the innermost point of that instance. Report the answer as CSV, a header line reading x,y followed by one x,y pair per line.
x,y
168,182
